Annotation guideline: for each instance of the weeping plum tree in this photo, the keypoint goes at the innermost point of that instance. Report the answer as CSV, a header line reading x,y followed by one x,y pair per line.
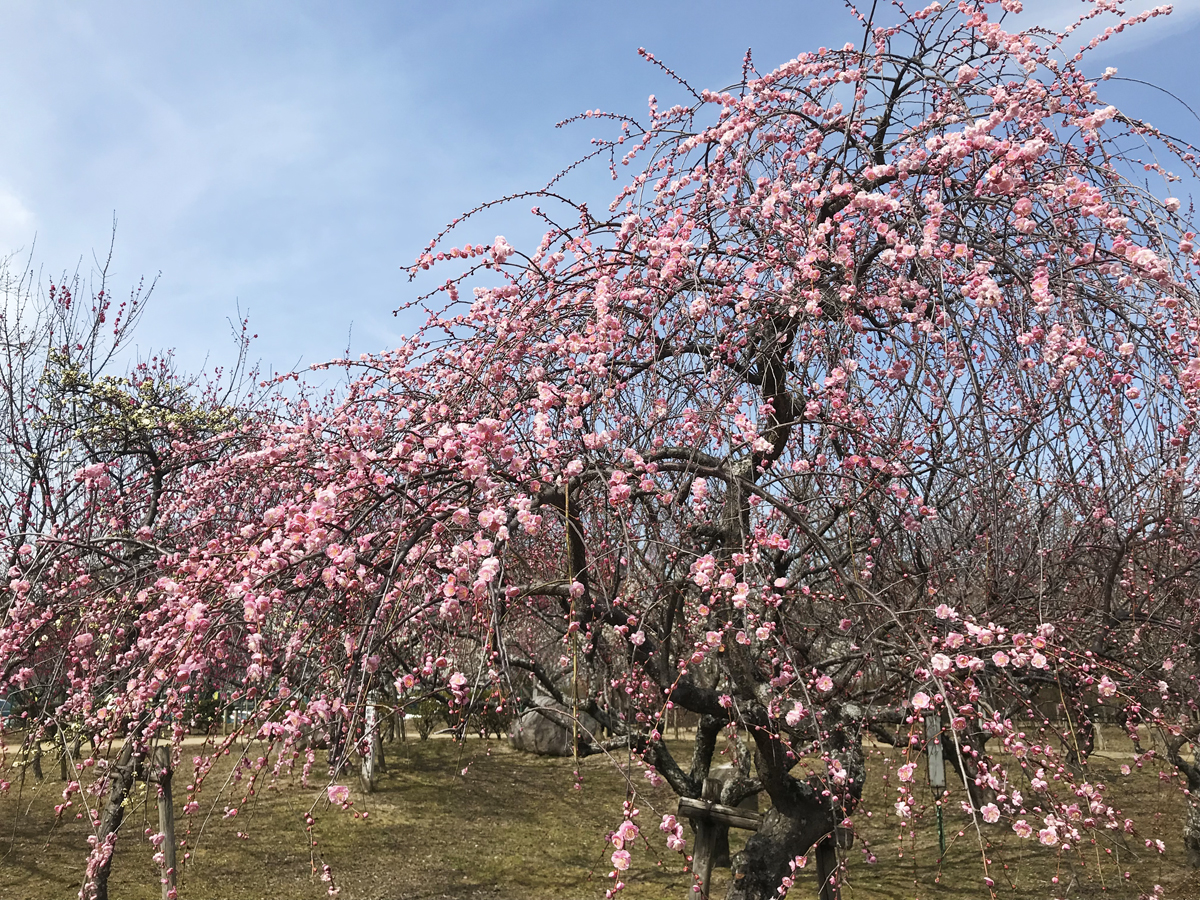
x,y
865,408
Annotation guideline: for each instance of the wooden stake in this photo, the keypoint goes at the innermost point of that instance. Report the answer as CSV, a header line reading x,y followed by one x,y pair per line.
x,y
711,820
937,772
933,749
161,776
702,858
367,772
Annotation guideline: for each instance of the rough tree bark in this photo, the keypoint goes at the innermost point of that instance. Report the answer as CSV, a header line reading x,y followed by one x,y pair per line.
x,y
801,817
962,753
1191,817
1191,822
95,885
789,830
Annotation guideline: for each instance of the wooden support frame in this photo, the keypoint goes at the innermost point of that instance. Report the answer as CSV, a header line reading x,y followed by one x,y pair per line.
x,y
710,811
710,820
708,816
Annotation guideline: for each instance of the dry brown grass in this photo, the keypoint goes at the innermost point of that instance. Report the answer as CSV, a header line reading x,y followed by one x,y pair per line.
x,y
479,820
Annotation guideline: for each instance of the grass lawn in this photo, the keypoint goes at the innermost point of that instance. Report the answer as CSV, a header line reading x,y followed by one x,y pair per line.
x,y
480,820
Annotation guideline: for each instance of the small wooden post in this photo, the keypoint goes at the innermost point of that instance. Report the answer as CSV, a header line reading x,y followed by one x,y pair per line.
x,y
827,869
706,844
37,761
933,749
702,858
389,727
710,819
937,771
161,776
367,770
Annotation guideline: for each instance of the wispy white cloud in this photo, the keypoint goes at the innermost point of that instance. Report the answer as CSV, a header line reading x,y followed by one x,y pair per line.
x,y
1059,14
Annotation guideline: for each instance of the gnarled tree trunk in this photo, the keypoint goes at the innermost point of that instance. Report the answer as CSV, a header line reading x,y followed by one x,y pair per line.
x,y
786,833
95,884
1191,826
804,814
1191,817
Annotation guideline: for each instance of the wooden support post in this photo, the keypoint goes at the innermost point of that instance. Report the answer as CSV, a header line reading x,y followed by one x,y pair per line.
x,y
707,810
827,869
702,859
37,761
708,833
935,753
711,819
161,776
367,750
933,750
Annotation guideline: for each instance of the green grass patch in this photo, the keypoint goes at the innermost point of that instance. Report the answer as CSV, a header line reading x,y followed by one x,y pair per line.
x,y
480,820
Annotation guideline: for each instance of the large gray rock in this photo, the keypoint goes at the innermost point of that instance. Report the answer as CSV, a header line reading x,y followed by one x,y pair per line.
x,y
547,728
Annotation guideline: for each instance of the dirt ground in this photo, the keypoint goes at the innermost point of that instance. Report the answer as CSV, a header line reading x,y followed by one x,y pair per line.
x,y
478,820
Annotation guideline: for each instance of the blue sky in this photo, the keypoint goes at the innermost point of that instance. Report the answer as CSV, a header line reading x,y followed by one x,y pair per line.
x,y
291,157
